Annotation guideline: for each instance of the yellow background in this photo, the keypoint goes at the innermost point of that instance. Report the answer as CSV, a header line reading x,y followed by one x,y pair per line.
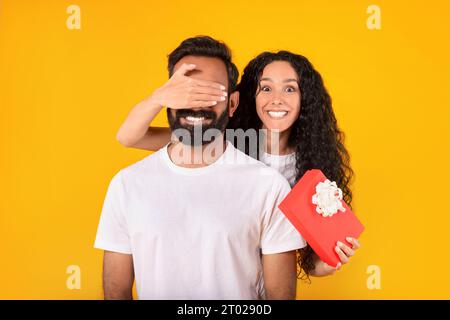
x,y
64,93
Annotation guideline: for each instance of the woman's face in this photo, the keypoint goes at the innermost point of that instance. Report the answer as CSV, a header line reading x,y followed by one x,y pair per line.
x,y
278,99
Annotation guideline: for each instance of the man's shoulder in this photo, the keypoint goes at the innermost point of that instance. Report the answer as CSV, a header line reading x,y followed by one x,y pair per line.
x,y
149,164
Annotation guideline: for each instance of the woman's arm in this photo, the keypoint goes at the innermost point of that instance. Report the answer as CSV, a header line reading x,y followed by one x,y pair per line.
x,y
180,91
135,131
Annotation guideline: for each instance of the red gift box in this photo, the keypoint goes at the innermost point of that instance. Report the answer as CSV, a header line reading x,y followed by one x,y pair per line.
x,y
321,232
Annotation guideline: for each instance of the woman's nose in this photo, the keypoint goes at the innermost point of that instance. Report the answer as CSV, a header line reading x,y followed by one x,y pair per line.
x,y
276,101
276,98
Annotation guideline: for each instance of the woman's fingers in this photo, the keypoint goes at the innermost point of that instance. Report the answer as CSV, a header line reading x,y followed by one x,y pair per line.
x,y
354,242
184,68
342,256
202,104
212,84
209,90
347,250
206,97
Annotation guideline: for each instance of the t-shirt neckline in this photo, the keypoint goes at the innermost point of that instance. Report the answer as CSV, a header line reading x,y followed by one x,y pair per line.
x,y
195,171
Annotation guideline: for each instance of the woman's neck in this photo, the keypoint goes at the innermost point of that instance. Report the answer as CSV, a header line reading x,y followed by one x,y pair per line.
x,y
277,142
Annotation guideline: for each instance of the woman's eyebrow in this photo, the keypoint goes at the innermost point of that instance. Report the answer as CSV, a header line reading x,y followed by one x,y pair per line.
x,y
286,80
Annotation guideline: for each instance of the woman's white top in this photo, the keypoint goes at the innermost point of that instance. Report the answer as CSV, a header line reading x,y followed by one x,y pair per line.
x,y
284,164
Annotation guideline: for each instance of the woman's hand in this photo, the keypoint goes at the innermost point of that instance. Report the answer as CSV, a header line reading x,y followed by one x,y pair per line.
x,y
344,252
179,92
183,92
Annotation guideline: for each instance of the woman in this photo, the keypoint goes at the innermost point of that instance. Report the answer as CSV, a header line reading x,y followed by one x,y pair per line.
x,y
283,94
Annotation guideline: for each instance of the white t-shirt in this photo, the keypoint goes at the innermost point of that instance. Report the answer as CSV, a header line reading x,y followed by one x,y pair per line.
x,y
284,164
197,233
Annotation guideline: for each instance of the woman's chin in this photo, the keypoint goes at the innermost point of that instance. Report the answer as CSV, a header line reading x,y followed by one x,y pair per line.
x,y
277,126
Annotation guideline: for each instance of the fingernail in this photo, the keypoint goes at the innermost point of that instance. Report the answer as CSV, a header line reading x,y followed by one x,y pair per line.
x,y
222,87
340,244
337,249
225,93
338,265
349,239
222,98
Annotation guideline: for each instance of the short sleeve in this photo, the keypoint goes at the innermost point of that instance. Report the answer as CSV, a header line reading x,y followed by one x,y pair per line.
x,y
278,234
112,231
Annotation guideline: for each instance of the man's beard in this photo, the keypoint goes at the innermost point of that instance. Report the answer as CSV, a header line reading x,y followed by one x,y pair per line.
x,y
194,135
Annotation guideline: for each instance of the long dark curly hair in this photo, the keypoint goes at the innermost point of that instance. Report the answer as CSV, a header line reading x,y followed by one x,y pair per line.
x,y
315,135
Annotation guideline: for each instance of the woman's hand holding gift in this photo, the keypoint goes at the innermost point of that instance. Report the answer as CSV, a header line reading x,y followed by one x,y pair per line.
x,y
344,252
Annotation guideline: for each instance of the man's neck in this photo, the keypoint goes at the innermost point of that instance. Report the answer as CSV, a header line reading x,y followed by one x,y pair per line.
x,y
196,156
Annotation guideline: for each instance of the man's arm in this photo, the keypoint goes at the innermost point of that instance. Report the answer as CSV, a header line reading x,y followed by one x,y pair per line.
x,y
280,275
118,276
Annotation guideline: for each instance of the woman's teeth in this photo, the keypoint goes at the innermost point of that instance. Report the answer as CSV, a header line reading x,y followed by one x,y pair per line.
x,y
277,114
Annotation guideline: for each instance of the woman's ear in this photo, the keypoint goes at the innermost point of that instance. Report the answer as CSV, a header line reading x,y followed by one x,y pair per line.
x,y
234,103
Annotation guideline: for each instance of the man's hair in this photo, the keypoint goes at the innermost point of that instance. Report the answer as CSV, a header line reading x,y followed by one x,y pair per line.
x,y
204,46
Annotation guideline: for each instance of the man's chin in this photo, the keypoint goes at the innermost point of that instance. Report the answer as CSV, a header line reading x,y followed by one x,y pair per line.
x,y
194,135
198,134
195,142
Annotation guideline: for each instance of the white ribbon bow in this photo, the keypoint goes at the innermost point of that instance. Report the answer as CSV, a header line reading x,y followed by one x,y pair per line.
x,y
328,198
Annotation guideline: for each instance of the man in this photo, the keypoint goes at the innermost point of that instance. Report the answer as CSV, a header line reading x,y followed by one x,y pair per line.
x,y
198,219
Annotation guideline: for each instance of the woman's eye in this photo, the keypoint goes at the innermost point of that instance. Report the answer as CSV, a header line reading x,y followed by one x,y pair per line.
x,y
290,89
265,88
